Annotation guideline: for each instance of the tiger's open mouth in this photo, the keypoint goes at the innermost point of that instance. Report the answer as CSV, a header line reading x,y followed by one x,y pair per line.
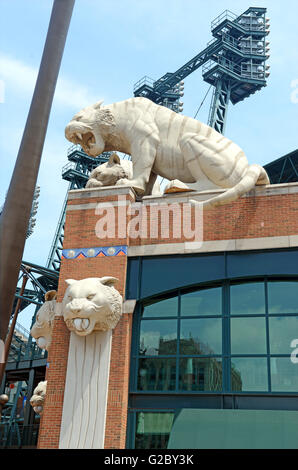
x,y
86,140
38,409
82,326
80,133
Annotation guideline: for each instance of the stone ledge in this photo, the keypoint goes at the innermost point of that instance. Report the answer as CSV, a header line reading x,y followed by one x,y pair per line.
x,y
214,246
101,192
267,190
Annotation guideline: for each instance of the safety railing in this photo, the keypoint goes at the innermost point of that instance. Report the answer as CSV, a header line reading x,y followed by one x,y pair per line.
x,y
247,70
223,62
74,148
225,15
25,352
144,81
17,436
22,330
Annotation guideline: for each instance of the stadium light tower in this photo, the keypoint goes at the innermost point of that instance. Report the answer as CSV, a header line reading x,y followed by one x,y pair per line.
x,y
234,63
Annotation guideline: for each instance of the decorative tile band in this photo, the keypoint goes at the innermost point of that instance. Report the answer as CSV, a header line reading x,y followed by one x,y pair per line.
x,y
94,252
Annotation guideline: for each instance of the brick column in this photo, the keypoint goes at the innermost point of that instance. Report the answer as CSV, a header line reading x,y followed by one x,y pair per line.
x,y
85,255
115,435
49,430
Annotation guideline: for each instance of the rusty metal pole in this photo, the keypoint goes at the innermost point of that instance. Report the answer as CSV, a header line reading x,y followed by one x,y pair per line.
x,y
16,212
11,329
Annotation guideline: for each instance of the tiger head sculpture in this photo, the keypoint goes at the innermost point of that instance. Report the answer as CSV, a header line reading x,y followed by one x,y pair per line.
x,y
43,326
38,397
90,128
91,304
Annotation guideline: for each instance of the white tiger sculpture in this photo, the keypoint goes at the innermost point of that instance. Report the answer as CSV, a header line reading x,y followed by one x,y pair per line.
x,y
43,326
107,174
162,142
91,304
38,397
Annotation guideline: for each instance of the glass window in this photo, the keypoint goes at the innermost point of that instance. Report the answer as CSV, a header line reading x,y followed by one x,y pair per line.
x,y
249,374
248,335
162,308
201,336
200,374
283,297
234,429
282,331
157,374
153,430
202,302
158,337
284,375
170,350
248,298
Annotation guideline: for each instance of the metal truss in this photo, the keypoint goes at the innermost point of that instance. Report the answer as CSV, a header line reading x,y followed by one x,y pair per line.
x,y
234,62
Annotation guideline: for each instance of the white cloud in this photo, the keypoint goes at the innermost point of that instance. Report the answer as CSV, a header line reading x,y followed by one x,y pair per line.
x,y
22,77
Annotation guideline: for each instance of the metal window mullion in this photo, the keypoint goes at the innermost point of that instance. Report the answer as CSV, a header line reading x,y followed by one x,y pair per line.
x,y
131,427
226,338
178,342
134,369
267,335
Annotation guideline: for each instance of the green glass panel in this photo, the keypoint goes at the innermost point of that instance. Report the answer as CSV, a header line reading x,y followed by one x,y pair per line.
x,y
284,375
157,374
282,331
283,297
158,337
153,430
248,298
248,335
201,336
234,429
202,302
249,374
200,374
162,308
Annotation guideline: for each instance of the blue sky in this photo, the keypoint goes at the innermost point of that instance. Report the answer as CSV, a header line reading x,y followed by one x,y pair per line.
x,y
110,46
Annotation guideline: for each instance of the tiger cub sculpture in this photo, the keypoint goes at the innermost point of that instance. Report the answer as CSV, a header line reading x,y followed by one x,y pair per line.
x,y
109,173
162,142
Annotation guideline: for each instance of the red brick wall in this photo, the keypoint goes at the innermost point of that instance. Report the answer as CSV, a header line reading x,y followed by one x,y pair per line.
x,y
253,217
49,430
116,419
248,217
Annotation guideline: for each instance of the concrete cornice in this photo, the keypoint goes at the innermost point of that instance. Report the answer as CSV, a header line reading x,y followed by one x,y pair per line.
x,y
242,244
267,190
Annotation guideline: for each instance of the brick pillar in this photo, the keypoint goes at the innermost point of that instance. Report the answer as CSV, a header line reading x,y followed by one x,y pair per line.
x,y
85,255
115,435
49,430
